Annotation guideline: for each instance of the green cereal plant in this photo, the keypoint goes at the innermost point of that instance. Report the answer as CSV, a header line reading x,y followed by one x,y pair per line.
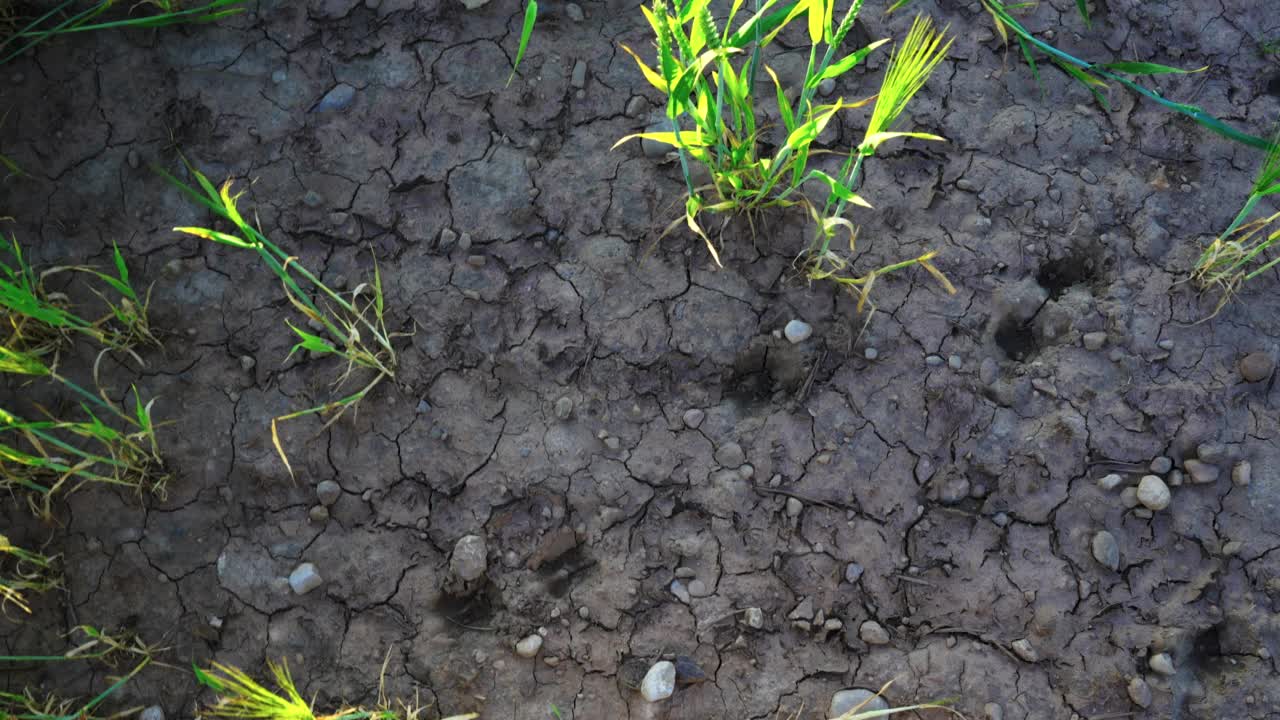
x,y
65,19
1095,76
715,121
51,457
22,572
353,323
240,696
38,320
526,29
1232,259
96,646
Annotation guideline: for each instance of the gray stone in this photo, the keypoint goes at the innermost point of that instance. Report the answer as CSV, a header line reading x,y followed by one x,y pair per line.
x,y
697,589
1106,550
279,76
529,646
988,371
1162,664
803,611
312,199
579,77
473,4
794,507
1110,482
680,591
654,149
1161,465
1256,367
797,331
933,360
1000,519
693,418
470,558
1095,340
1140,692
336,99
1153,493
871,353
1242,473
135,161
1129,497
1232,548
992,711
1201,473
859,699
564,408
305,578
754,618
873,633
1174,479
1165,344
730,455
318,514
574,12
953,489
636,106
1023,649
956,362
328,492
1211,452
155,712
827,86
853,572
660,682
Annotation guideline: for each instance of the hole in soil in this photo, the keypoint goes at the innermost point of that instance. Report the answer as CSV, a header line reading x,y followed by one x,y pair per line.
x,y
1206,648
1016,339
1273,85
1057,276
472,610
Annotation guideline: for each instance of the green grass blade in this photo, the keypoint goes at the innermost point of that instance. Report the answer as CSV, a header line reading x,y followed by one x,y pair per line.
x,y
1083,7
526,30
1148,68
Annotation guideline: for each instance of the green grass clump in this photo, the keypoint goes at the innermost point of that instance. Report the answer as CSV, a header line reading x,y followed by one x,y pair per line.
x,y
96,646
1095,76
22,572
353,323
240,696
66,19
705,90
1237,255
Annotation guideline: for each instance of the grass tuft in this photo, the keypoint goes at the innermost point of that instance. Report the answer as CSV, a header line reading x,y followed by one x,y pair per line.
x,y
351,326
22,572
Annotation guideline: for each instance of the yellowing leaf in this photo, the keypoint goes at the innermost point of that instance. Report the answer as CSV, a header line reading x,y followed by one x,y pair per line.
x,y
687,138
650,74
874,140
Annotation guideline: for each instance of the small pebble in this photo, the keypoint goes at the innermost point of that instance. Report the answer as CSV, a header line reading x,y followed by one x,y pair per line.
x,y
797,331
134,161
933,360
827,86
1174,479
636,106
574,12
584,612
754,618
1106,550
688,672
988,371
564,408
1140,692
680,591
464,242
304,579
871,353
794,507
1153,493
1165,345
1161,465
579,77
1201,473
319,514
1000,519
1256,367
865,701
693,418
956,362
279,76
155,712
1211,452
683,572
660,682
328,492
336,99
1242,473
1095,340
1110,482
1129,497
697,588
730,455
873,633
529,646
612,443
476,261
1023,649
993,711
1232,548
312,199
853,572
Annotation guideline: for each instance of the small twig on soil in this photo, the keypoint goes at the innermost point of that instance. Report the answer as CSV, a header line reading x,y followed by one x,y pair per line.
x,y
981,637
798,496
470,627
916,581
808,381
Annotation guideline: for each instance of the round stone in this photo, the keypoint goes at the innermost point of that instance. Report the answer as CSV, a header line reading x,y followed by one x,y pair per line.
x,y
660,682
797,331
1106,550
859,699
1256,367
529,646
1153,493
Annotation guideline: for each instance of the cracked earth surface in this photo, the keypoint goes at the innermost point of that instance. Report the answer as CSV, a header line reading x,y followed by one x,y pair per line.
x,y
965,490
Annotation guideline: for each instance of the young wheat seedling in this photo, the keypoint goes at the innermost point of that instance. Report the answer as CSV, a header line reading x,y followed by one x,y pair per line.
x,y
354,322
98,646
22,572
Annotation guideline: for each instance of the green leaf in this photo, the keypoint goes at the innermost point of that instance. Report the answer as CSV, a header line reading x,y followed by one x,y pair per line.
x,y
1095,85
207,680
897,6
526,30
1083,7
847,63
784,107
1035,71
314,343
1149,68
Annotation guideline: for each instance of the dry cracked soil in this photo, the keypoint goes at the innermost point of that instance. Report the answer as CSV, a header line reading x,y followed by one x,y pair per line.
x,y
637,462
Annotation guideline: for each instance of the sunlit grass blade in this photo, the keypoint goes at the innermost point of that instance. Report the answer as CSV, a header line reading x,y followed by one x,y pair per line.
x,y
526,30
